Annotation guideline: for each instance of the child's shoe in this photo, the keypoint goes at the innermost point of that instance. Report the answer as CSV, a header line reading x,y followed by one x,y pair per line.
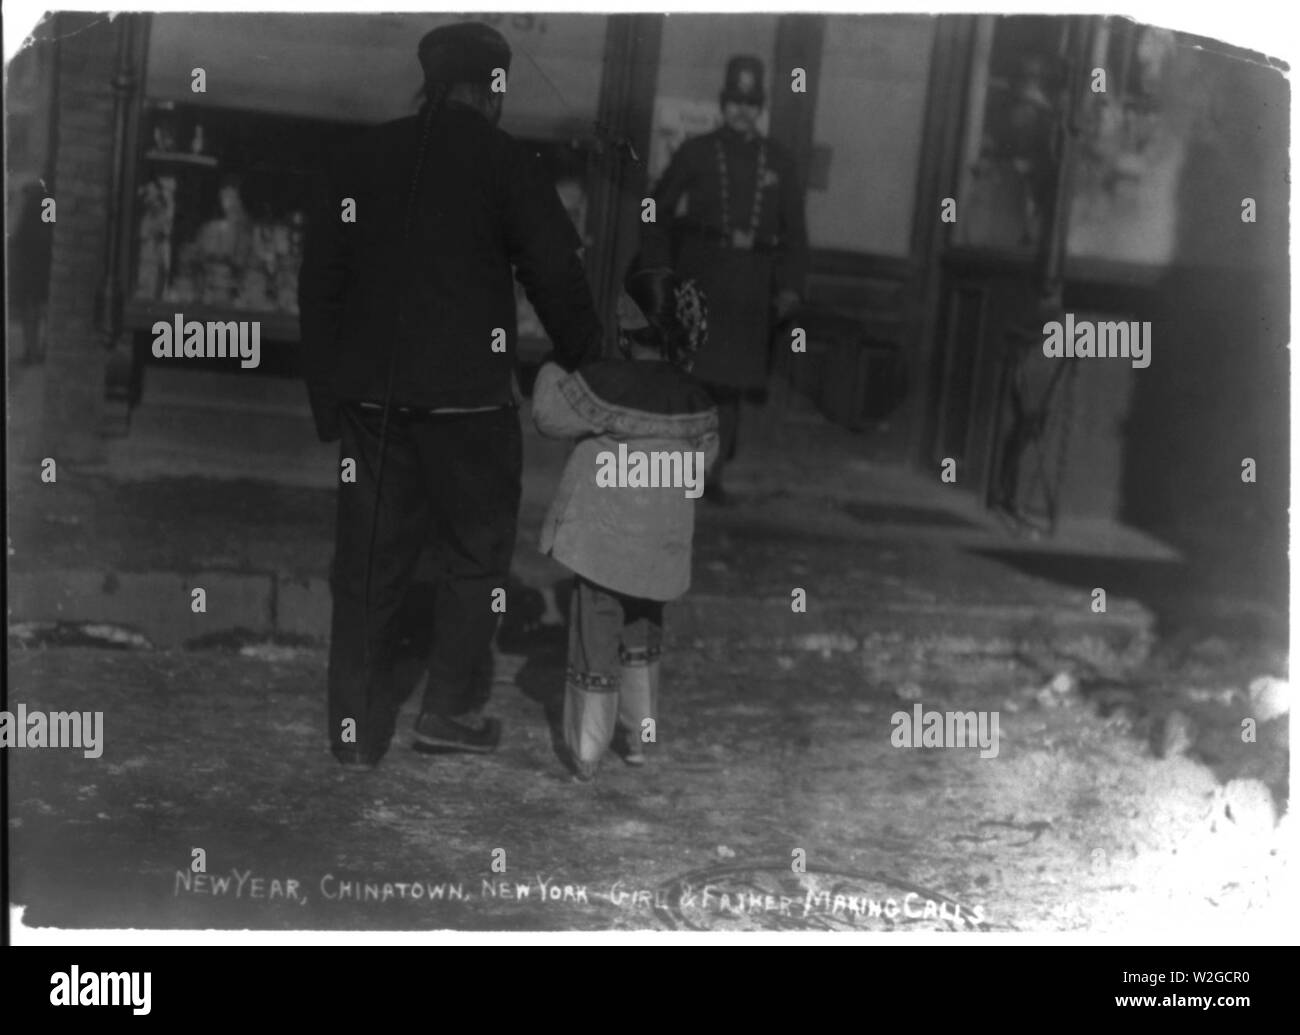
x,y
635,754
628,746
588,728
637,701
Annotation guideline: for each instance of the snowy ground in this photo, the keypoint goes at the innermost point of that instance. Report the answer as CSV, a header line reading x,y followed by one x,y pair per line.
x,y
774,800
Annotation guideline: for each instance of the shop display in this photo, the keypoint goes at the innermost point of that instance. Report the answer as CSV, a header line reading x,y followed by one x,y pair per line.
x,y
220,211
236,261
232,260
1012,149
219,214
158,210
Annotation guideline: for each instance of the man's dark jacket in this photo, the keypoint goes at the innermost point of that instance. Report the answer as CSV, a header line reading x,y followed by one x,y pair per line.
x,y
444,297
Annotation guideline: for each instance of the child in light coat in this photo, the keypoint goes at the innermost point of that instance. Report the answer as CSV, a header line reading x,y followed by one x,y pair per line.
x,y
624,515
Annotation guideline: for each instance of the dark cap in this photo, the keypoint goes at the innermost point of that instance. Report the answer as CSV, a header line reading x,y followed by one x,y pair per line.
x,y
744,82
466,52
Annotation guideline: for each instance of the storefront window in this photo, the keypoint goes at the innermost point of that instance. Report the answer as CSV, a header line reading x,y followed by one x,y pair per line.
x,y
1132,144
870,113
224,172
1011,156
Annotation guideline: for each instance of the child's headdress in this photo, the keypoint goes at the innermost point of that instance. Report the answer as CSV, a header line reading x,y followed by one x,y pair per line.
x,y
675,308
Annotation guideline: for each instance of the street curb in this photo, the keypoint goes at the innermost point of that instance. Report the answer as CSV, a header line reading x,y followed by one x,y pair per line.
x,y
157,604
841,625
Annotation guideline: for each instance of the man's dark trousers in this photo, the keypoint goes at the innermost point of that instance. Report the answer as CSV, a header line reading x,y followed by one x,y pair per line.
x,y
453,479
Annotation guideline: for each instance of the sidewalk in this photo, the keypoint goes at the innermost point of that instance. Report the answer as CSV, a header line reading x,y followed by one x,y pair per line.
x,y
875,547
776,730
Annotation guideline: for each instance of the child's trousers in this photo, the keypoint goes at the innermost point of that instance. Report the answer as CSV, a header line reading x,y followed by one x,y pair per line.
x,y
613,671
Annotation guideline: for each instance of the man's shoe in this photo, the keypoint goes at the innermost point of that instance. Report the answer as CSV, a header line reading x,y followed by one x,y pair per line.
x,y
439,733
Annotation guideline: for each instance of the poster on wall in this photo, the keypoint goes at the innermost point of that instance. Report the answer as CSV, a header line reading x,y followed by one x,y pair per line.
x,y
676,119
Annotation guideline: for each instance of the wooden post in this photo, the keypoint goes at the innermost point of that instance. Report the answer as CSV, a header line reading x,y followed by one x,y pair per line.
x,y
109,308
940,174
128,78
629,77
799,42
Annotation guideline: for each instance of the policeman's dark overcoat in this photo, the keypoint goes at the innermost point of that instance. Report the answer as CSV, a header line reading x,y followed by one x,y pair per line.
x,y
740,277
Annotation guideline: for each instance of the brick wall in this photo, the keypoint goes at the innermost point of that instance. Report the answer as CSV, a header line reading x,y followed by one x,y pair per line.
x,y
75,363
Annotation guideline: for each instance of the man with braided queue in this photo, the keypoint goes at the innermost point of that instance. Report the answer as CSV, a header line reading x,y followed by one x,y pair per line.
x,y
408,351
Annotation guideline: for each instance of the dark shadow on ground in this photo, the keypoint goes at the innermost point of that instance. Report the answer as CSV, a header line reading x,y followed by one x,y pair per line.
x,y
544,647
524,630
1186,598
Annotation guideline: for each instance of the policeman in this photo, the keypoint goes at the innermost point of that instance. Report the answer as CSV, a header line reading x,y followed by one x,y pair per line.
x,y
742,237
408,346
